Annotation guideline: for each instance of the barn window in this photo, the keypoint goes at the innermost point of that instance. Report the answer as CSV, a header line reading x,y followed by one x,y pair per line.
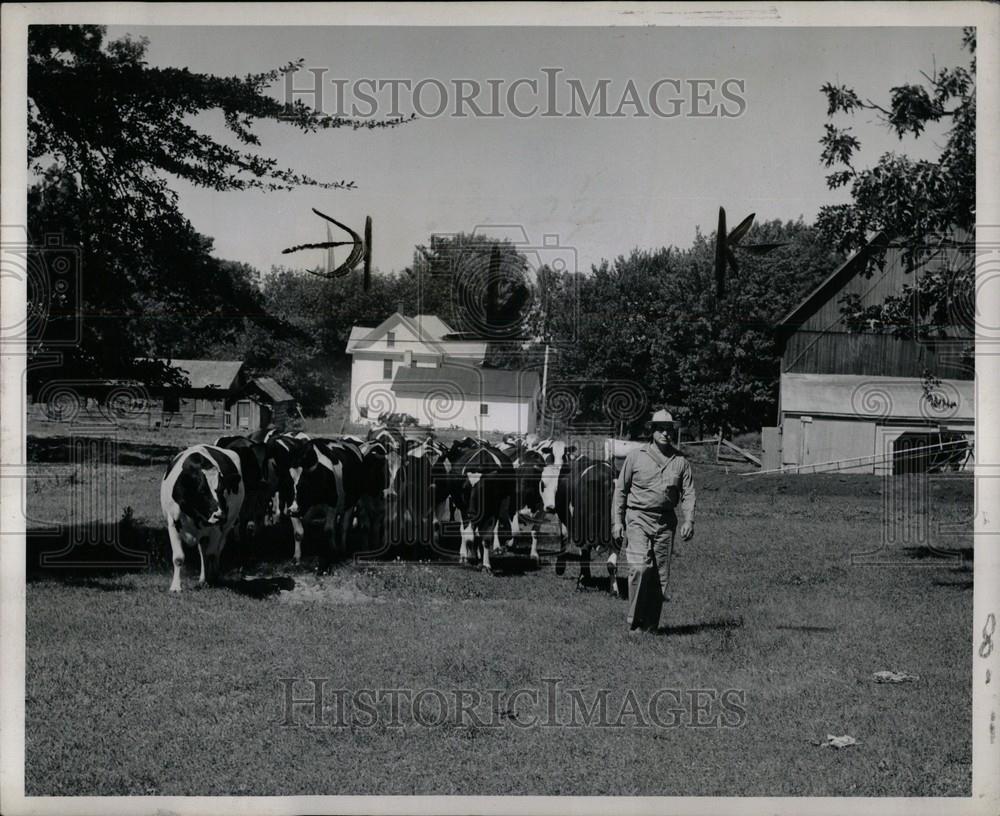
x,y
390,340
484,408
171,403
387,369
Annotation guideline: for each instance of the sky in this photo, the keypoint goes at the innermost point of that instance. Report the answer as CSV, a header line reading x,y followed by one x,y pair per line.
x,y
596,186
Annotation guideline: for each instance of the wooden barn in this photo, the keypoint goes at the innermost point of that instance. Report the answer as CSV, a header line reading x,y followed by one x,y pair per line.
x,y
868,401
220,395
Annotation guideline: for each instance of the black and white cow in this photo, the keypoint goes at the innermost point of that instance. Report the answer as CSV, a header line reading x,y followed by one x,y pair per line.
x,y
326,476
201,496
484,493
259,466
529,467
579,491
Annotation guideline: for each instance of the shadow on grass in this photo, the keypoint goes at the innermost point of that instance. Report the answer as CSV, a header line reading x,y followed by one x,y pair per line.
x,y
259,587
696,628
81,554
60,449
923,552
965,584
825,629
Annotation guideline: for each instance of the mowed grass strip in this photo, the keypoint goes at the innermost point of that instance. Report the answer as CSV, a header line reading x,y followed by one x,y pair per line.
x,y
133,691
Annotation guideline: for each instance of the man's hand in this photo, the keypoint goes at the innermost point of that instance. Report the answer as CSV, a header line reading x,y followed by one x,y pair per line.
x,y
687,531
617,531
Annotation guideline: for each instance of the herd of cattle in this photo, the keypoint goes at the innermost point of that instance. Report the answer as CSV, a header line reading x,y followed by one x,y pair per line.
x,y
383,493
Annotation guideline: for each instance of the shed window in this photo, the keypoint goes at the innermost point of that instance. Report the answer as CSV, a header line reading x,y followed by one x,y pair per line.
x,y
387,369
484,408
390,340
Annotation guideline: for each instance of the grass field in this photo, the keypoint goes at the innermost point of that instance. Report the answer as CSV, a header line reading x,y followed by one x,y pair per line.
x,y
131,690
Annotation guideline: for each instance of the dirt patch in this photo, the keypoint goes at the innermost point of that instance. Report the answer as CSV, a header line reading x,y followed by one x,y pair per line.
x,y
326,590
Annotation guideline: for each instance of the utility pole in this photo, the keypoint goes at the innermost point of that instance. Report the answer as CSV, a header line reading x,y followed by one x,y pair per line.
x,y
545,382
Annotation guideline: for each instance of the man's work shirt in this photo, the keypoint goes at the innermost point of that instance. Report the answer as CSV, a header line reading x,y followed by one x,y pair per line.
x,y
653,483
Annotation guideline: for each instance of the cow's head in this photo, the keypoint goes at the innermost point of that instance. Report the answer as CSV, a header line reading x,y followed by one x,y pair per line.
x,y
197,492
303,471
555,458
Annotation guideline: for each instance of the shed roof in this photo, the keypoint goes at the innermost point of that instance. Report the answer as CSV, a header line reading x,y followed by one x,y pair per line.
x,y
469,381
272,389
209,373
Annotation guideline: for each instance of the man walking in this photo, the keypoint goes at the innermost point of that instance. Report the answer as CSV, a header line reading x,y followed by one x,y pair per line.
x,y
654,480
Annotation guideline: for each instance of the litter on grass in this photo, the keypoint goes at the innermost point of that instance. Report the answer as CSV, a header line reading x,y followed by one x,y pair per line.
x,y
894,677
837,742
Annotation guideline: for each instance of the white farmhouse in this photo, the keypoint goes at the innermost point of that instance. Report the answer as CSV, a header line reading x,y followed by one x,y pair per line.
x,y
409,365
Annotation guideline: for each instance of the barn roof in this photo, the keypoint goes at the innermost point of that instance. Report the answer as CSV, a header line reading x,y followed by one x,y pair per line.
x,y
209,373
271,388
833,284
469,381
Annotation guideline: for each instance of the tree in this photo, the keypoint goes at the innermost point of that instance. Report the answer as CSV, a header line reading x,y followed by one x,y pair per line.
x,y
920,204
106,134
651,319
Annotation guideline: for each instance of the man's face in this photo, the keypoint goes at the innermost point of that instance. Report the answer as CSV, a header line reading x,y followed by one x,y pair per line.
x,y
663,434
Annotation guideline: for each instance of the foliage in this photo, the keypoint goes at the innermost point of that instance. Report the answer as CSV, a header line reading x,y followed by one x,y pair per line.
x,y
107,133
919,204
651,318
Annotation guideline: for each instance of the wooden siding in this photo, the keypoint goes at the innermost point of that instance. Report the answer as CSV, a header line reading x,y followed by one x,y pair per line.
x,y
875,289
881,355
821,344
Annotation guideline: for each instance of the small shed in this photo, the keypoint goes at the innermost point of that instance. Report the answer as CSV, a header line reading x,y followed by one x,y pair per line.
x,y
261,403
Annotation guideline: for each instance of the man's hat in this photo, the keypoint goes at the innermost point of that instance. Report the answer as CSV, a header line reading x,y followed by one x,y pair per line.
x,y
662,417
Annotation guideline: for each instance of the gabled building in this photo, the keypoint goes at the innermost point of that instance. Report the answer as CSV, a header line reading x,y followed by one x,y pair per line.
x,y
420,366
857,401
219,395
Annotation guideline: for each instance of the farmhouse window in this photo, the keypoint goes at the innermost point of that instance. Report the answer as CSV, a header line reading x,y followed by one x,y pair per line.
x,y
387,369
205,406
484,408
171,403
390,340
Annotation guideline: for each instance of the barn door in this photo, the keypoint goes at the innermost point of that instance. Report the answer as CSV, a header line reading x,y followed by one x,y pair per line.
x,y
806,424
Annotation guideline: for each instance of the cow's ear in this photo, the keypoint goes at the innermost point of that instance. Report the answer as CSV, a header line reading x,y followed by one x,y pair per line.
x,y
571,449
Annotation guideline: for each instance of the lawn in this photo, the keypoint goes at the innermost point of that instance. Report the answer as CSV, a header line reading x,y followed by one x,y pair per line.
x,y
131,690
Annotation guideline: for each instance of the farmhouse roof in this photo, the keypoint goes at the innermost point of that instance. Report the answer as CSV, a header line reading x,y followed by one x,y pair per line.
x,y
432,326
271,388
209,373
429,329
467,381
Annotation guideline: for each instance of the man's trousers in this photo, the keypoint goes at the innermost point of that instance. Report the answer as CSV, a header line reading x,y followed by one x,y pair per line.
x,y
649,539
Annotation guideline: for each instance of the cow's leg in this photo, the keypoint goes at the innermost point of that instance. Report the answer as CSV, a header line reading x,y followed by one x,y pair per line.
x,y
486,550
496,536
346,525
612,565
584,578
177,551
515,529
468,542
213,545
202,543
534,543
298,532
